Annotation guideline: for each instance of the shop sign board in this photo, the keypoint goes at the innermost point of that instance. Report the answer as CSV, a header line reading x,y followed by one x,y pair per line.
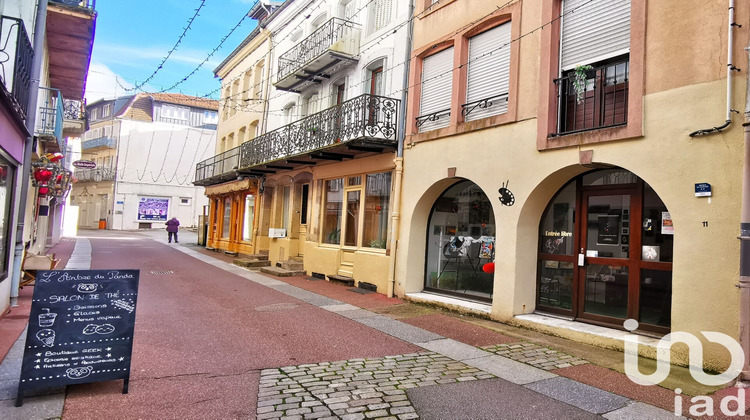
x,y
86,164
703,189
80,329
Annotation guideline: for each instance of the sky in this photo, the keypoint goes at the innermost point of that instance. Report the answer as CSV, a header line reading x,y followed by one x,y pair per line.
x,y
133,37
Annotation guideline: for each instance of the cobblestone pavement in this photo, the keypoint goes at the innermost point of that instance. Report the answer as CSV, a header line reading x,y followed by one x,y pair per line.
x,y
372,388
534,355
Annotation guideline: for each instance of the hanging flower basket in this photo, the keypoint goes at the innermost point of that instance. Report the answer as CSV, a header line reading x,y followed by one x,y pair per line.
x,y
580,77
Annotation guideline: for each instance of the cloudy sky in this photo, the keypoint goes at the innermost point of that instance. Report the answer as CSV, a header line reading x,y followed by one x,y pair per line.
x,y
133,37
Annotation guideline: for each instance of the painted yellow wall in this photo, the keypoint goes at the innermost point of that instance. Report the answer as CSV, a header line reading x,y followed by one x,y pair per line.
x,y
371,267
246,112
705,259
684,91
321,259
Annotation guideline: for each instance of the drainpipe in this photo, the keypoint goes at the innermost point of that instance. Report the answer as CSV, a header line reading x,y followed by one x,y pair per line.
x,y
744,279
399,160
730,68
25,171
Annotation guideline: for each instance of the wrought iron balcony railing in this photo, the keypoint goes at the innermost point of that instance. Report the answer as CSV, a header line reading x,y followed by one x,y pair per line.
x,y
16,56
94,175
367,118
50,118
108,142
334,43
599,100
86,4
221,167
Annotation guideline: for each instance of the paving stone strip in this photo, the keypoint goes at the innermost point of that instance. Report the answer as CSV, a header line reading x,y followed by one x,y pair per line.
x,y
535,355
357,388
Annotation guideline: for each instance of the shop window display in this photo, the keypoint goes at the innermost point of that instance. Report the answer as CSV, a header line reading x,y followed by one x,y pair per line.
x,y
334,197
377,198
460,241
6,194
588,265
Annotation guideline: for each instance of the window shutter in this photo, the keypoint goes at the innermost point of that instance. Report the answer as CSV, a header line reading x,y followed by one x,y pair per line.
x,y
594,31
350,9
437,78
488,73
382,14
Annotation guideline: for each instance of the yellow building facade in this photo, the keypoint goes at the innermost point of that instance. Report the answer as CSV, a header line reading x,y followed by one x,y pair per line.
x,y
577,194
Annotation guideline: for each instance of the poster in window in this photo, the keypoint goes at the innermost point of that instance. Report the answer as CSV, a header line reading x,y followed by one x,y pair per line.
x,y
153,209
667,228
608,230
555,244
487,248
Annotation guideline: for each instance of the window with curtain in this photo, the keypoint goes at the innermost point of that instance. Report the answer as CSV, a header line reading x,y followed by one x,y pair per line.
x,y
435,99
488,73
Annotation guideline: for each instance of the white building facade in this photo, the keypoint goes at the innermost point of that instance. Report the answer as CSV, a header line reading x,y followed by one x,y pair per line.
x,y
145,154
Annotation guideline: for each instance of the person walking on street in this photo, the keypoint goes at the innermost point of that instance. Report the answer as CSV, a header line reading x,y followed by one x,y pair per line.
x,y
173,225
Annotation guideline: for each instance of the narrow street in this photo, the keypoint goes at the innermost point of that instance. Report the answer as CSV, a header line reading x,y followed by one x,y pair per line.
x,y
213,340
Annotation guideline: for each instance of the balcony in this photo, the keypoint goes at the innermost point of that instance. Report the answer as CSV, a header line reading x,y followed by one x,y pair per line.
x,y
74,117
99,143
363,126
333,46
49,122
218,169
16,56
94,175
70,37
598,100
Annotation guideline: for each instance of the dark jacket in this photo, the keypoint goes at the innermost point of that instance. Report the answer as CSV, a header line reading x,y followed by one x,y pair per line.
x,y
172,225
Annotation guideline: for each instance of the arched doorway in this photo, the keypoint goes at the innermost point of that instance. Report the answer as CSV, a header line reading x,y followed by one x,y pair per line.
x,y
605,252
460,241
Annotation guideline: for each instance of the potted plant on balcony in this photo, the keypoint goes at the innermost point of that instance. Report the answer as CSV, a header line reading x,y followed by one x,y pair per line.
x,y
580,77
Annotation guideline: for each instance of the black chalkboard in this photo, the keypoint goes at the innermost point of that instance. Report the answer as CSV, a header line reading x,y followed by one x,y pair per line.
x,y
80,329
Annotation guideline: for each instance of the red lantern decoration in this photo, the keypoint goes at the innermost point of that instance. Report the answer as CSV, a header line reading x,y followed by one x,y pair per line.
x,y
489,268
43,191
58,179
42,175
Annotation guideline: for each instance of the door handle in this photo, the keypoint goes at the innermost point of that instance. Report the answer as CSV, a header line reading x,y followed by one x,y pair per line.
x,y
581,258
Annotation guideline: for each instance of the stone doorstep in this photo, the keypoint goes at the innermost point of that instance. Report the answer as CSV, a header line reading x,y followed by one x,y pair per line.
x,y
291,265
259,256
251,262
346,281
280,272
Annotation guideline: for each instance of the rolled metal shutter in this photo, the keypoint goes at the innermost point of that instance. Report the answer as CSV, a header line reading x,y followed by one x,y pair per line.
x,y
488,73
593,31
437,83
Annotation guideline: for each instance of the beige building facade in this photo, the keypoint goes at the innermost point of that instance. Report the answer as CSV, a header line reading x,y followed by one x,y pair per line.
x,y
576,195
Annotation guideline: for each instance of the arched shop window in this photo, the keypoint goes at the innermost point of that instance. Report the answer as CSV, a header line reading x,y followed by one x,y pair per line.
x,y
460,241
605,252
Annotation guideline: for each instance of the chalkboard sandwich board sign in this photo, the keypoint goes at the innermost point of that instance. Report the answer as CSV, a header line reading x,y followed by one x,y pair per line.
x,y
80,329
